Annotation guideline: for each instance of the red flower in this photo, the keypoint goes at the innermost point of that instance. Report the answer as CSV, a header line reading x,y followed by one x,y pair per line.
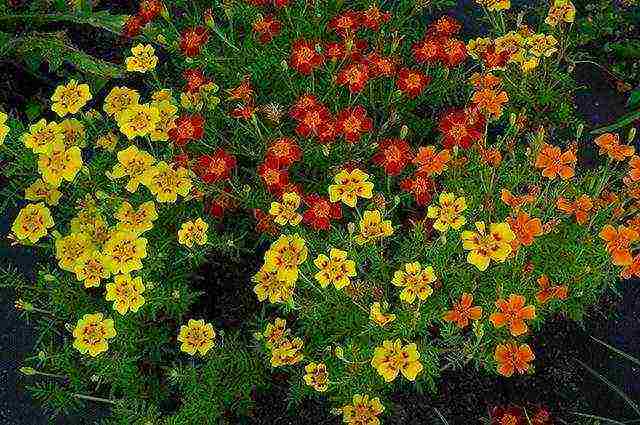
x,y
283,152
243,92
335,51
493,59
267,28
281,3
305,103
215,167
511,415
274,178
428,50
381,66
321,212
132,27
445,26
314,122
188,127
355,76
149,10
346,24
412,82
195,80
192,40
265,222
181,160
393,155
304,57
353,122
223,202
454,52
460,128
243,112
373,17
422,188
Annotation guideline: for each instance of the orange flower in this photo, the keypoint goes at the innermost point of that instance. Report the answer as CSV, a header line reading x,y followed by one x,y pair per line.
x,y
511,358
525,229
634,168
515,202
632,270
431,163
244,92
485,81
548,292
609,143
580,207
490,102
512,312
618,242
555,162
463,312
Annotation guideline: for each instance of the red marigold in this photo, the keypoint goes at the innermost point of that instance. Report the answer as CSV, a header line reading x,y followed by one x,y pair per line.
x,y
192,40
313,120
243,92
454,52
215,167
280,3
373,17
346,23
264,222
243,112
284,152
305,103
445,26
412,82
222,203
428,50
148,10
335,51
188,127
352,123
355,76
195,80
267,28
274,178
381,66
304,57
393,155
460,129
320,212
132,27
421,187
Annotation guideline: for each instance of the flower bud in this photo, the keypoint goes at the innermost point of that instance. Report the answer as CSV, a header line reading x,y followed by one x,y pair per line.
x,y
632,135
404,130
29,371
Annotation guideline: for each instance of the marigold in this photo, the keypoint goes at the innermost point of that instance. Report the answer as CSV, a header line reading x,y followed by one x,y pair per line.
x,y
352,123
283,151
91,269
193,233
59,164
393,358
334,269
373,227
316,376
4,128
412,82
32,223
355,76
393,155
483,246
362,411
137,220
39,190
349,186
525,228
125,293
166,183
421,187
428,50
554,162
460,128
512,358
454,52
269,286
273,177
448,213
124,252
144,58
580,207
490,102
267,27
192,40
216,166
548,292
561,11
304,57
415,280
71,248
463,311
42,136
197,337
495,5
373,17
287,352
138,120
70,98
513,313
609,143
167,122
377,317
133,163
187,128
285,255
92,333
346,23
618,243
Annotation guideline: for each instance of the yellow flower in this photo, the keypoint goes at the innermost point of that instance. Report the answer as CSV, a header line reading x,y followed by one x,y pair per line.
x,y
511,43
285,212
561,11
316,376
196,337
495,5
162,95
372,227
120,99
92,333
542,45
107,141
39,190
378,317
144,58
32,222
285,255
124,252
477,46
287,352
166,122
392,358
59,164
275,332
362,411
484,247
91,269
70,99
137,221
193,232
133,163
125,293
349,186
4,128
448,213
73,132
334,269
42,136
90,221
415,280
138,120
268,285
166,183
71,248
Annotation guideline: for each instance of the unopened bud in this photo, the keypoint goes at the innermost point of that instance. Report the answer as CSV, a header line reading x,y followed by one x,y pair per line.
x,y
29,371
579,131
632,135
404,130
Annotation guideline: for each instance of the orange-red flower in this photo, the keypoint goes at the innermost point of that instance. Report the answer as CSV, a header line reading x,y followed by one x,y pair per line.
x,y
195,80
421,186
321,212
244,112
580,207
460,128
192,40
428,50
355,76
225,201
525,228
445,26
490,102
264,223
463,311
188,127
373,17
132,27
512,358
352,123
148,10
555,163
381,66
454,52
609,143
267,28
512,312
430,162
393,155
346,23
515,202
633,269
273,177
314,119
243,92
548,292
283,152
634,168
412,82
618,243
304,57
215,167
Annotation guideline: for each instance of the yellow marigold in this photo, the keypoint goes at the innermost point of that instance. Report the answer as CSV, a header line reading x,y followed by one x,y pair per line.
x,y
73,132
275,332
363,410
415,280
448,213
166,122
287,352
349,186
542,45
124,252
71,248
119,99
138,120
268,285
193,233
316,376
166,183
334,269
91,269
144,58
285,212
197,337
92,223
495,5
162,95
125,293
92,333
393,358
32,222
70,98
60,163
561,11
483,246
372,227
510,43
136,220
285,255
376,315
39,190
107,141
133,163
4,128
42,136
477,46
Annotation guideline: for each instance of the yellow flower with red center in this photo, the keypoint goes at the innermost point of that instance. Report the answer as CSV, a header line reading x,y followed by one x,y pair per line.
x,y
275,332
166,183
197,337
144,58
285,255
542,45
92,333
39,190
316,376
334,269
125,293
124,252
138,120
167,121
4,128
287,352
193,233
376,315
363,410
349,186
42,136
71,248
133,163
59,164
136,220
119,99
107,141
73,132
394,358
91,269
448,213
70,98
484,247
373,228
269,286
415,280
561,11
285,212
495,5
32,223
